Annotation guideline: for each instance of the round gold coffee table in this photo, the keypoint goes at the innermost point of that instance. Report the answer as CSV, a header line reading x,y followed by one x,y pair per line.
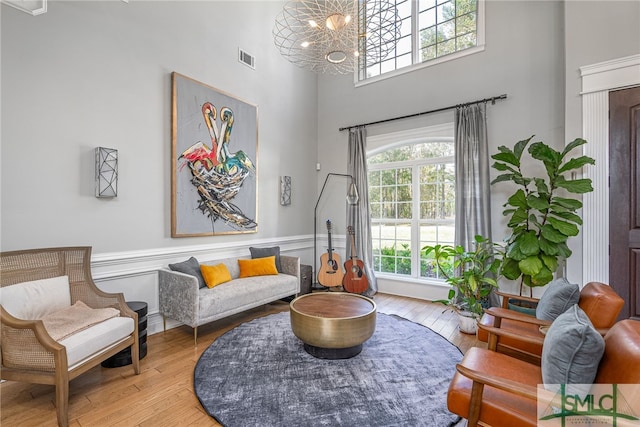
x,y
333,325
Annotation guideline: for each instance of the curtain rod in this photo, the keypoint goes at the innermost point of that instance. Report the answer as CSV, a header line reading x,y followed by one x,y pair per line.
x,y
493,100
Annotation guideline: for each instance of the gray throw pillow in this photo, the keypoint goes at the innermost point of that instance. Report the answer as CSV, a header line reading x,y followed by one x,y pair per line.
x,y
557,298
267,252
572,349
192,267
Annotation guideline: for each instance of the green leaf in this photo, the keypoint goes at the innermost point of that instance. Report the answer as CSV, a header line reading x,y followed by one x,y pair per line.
x,y
507,158
530,265
543,277
518,217
572,204
563,227
528,244
541,186
541,151
552,235
578,186
569,216
510,269
547,247
518,149
576,163
518,199
503,177
563,250
573,144
503,167
536,202
551,262
513,251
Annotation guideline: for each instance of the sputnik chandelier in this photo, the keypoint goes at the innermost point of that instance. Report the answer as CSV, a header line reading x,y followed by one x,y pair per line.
x,y
329,36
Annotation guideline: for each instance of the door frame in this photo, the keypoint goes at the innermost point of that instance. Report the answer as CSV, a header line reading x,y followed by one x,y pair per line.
x,y
597,81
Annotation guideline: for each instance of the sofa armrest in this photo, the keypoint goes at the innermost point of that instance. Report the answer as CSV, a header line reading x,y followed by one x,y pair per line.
x,y
291,265
178,296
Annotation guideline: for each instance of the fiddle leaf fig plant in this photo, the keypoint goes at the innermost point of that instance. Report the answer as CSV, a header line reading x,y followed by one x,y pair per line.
x,y
542,211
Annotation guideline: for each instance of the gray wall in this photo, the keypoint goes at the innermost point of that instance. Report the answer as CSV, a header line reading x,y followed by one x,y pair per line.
x,y
523,58
89,74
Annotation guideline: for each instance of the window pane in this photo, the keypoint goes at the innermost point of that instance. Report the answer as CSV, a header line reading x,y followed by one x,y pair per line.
x,y
426,4
446,47
428,53
465,6
428,37
465,24
403,46
427,18
446,30
445,11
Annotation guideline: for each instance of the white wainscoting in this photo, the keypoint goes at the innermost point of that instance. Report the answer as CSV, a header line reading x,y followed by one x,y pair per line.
x,y
135,273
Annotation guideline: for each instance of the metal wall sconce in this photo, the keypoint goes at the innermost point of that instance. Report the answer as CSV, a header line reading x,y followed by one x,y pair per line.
x,y
106,172
352,199
285,190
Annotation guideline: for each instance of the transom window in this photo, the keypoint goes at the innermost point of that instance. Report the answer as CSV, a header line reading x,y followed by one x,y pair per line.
x,y
430,29
412,204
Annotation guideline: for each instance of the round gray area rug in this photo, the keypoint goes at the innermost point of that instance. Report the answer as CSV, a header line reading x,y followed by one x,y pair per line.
x,y
258,374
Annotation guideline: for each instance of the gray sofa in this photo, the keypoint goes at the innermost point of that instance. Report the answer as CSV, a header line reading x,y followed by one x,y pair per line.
x,y
183,300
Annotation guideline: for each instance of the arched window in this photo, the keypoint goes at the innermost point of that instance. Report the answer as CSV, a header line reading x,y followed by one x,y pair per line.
x,y
412,202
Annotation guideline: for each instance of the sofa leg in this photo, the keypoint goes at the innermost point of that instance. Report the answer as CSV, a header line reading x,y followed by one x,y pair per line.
x,y
164,323
195,336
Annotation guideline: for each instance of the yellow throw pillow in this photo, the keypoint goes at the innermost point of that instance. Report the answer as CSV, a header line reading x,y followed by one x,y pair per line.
x,y
215,275
257,267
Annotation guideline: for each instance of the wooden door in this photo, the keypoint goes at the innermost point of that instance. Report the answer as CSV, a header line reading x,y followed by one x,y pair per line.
x,y
624,198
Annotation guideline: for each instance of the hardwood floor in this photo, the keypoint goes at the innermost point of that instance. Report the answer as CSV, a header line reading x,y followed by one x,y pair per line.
x,y
162,395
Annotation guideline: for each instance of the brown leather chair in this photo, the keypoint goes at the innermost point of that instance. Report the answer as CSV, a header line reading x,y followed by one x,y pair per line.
x,y
499,390
598,300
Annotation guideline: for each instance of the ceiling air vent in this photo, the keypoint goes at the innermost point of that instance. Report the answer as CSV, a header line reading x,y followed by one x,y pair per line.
x,y
247,59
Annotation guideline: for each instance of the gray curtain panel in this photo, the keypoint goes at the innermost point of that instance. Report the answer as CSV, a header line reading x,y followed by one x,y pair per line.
x,y
473,208
358,216
473,186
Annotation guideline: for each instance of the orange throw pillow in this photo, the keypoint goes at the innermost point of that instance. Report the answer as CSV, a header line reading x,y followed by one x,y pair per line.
x,y
215,275
257,267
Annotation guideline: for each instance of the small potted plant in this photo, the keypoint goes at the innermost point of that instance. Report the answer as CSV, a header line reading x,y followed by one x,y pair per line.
x,y
472,275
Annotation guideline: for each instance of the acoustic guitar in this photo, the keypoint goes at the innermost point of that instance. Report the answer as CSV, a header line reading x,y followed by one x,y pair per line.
x,y
355,281
330,273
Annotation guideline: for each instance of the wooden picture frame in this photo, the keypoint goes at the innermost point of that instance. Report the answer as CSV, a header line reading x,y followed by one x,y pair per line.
x,y
214,158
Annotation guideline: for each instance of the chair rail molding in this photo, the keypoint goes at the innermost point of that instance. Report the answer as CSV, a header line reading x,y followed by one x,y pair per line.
x,y
597,81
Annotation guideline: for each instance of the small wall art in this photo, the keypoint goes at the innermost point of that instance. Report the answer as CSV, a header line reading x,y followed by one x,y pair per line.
x,y
214,161
285,190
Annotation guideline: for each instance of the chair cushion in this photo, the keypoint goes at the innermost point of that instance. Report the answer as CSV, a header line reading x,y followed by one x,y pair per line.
x,y
96,339
34,300
192,267
266,252
572,349
557,298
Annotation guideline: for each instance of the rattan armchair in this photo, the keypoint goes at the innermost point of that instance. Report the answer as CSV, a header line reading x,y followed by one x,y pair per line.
x,y
28,352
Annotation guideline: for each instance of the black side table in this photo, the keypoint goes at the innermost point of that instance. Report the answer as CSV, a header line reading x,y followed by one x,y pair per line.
x,y
124,357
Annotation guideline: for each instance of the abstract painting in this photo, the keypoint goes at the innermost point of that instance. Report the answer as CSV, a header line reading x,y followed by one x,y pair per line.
x,y
214,161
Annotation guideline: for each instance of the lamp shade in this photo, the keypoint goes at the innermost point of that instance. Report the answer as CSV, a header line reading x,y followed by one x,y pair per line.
x,y
352,194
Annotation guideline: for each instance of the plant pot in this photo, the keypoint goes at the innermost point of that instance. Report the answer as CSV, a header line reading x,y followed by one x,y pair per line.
x,y
468,322
522,306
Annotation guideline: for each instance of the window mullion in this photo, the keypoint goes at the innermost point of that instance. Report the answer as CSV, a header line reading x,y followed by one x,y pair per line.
x,y
415,221
415,32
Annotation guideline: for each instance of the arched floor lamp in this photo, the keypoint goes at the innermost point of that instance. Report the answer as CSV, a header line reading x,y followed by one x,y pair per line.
x,y
352,199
